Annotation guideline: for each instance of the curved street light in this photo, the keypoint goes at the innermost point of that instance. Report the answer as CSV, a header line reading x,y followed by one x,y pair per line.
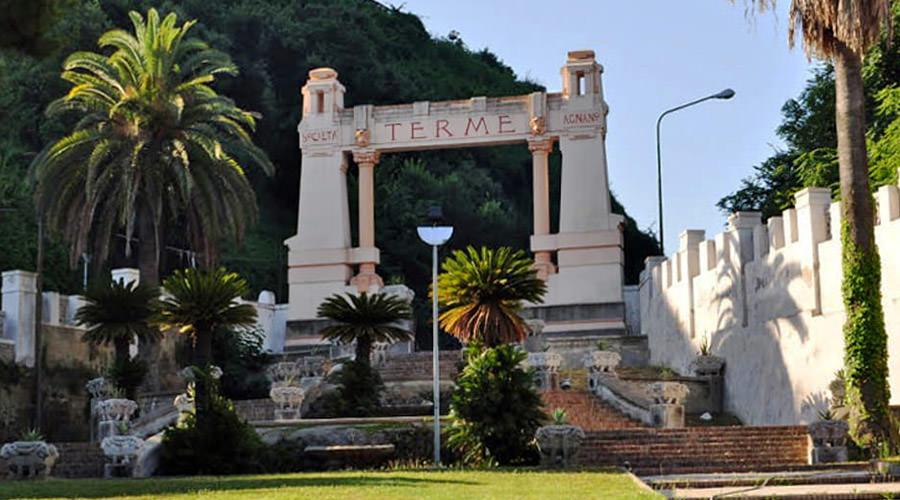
x,y
435,236
724,94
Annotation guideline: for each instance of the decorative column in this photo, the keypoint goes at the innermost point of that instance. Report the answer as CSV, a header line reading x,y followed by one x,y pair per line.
x,y
540,147
367,278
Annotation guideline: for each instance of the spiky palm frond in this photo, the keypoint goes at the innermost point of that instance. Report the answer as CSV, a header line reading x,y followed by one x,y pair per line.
x,y
118,311
857,24
482,293
373,317
154,140
200,302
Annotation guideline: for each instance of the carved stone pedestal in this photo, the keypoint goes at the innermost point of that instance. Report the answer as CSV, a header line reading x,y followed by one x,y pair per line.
x,y
559,445
667,410
122,452
667,416
29,459
829,441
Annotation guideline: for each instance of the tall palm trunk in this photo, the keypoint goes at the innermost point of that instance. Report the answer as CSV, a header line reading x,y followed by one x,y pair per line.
x,y
363,349
864,333
121,346
148,249
202,360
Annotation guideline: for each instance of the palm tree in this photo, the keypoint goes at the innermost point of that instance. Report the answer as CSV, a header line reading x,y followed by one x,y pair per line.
x,y
482,293
118,313
154,142
365,319
842,31
200,303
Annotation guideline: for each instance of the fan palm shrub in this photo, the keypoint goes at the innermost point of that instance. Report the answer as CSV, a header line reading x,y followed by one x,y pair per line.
x,y
365,319
842,31
119,313
153,142
482,291
198,304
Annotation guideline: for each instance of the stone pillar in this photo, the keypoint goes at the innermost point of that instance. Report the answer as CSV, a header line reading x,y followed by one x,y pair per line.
x,y
540,148
19,295
367,279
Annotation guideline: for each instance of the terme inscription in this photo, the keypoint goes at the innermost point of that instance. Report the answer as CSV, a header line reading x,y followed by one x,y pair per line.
x,y
443,128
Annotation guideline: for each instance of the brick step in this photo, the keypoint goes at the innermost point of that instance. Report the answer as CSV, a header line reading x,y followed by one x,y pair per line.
x,y
79,460
695,444
707,449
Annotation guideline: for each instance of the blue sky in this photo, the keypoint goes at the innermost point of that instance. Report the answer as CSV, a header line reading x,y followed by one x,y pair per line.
x,y
656,54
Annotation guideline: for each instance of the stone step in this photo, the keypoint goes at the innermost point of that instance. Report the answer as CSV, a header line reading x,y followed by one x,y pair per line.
x,y
704,449
855,472
79,460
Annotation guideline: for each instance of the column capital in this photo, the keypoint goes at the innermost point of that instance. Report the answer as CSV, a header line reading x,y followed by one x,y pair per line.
x,y
540,144
366,156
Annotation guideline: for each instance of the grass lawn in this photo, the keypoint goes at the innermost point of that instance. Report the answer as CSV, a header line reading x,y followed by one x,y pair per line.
x,y
452,484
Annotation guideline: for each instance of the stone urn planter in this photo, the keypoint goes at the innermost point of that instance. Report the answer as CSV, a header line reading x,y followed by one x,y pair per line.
x,y
546,367
113,414
29,459
289,399
600,363
708,365
667,410
829,439
122,452
559,444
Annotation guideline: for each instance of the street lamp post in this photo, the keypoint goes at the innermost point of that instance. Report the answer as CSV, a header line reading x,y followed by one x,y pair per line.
x,y
435,236
725,94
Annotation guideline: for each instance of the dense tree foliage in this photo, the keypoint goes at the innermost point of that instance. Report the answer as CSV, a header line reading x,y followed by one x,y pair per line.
x,y
809,157
382,54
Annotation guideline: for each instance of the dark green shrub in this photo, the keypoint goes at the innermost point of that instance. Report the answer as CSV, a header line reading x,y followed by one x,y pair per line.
x,y
243,360
495,410
359,391
218,443
127,375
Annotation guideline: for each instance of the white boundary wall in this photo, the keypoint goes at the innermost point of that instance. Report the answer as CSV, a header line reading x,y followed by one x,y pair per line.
x,y
768,299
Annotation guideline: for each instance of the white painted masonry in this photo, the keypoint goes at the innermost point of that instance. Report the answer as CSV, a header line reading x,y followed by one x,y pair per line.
x,y
768,298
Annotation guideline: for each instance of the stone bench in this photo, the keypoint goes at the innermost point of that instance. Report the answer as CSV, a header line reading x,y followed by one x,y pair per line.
x,y
356,456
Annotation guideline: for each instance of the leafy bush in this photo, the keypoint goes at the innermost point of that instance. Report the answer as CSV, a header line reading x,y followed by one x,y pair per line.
x,y
218,443
495,410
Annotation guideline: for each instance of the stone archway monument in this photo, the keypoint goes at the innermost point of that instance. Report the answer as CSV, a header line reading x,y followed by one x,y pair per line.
x,y
584,278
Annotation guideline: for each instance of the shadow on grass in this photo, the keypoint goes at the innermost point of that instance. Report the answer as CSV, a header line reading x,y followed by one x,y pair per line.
x,y
98,488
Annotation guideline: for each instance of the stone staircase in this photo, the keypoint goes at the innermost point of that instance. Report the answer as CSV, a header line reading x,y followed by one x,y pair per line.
x,y
79,460
587,411
416,366
698,449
